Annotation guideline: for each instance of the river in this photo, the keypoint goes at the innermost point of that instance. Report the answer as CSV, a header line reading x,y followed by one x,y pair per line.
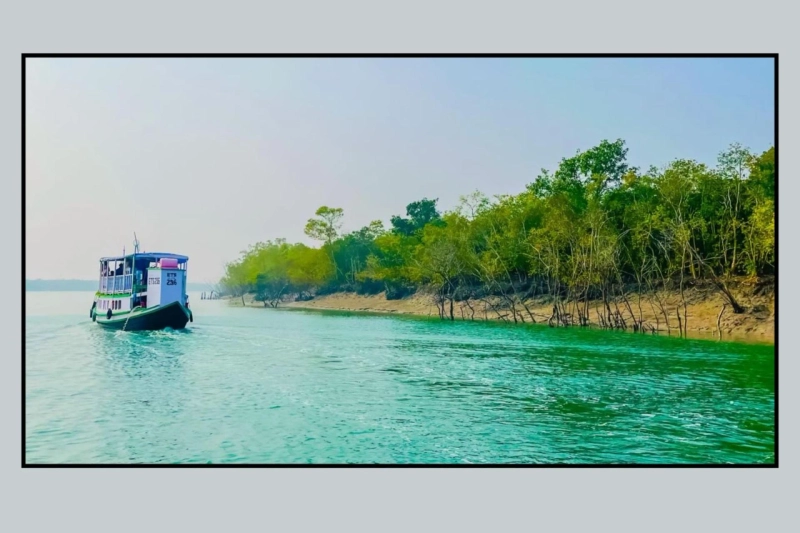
x,y
244,385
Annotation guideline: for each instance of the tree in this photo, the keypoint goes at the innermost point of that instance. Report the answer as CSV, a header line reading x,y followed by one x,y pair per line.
x,y
596,238
733,165
420,213
236,280
326,226
351,252
759,228
270,269
443,259
604,165
472,205
390,263
308,268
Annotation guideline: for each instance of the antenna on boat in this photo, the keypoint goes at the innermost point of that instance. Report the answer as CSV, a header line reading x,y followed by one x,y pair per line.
x,y
135,243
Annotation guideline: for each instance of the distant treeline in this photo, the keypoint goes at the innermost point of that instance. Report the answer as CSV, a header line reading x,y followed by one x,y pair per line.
x,y
87,285
595,229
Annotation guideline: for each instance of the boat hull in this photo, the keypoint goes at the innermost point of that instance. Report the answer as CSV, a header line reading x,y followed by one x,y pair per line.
x,y
173,315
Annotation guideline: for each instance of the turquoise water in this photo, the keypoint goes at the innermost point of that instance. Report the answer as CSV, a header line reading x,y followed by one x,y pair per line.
x,y
288,386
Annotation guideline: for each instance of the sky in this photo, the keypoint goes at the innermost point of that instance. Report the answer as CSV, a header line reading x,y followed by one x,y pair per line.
x,y
204,157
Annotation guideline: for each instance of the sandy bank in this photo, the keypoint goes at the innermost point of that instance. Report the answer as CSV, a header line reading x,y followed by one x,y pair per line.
x,y
757,324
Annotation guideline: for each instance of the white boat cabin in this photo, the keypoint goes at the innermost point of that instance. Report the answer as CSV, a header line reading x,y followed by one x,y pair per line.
x,y
141,280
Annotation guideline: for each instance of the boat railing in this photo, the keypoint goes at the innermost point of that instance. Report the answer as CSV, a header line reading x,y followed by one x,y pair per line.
x,y
116,284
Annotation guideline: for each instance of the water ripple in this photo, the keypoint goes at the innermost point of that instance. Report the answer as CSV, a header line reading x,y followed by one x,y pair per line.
x,y
251,385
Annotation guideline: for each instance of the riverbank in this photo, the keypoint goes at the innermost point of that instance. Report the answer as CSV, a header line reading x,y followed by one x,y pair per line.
x,y
703,306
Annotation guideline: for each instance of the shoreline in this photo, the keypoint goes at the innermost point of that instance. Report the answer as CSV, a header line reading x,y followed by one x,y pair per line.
x,y
757,325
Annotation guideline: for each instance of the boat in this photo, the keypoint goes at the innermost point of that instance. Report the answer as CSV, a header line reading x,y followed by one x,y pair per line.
x,y
142,291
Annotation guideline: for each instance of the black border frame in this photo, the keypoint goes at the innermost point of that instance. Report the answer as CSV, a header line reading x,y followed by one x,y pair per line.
x,y
774,56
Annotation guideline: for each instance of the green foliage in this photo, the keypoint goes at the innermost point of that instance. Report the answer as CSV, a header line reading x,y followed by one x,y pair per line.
x,y
419,214
326,226
352,251
275,269
585,230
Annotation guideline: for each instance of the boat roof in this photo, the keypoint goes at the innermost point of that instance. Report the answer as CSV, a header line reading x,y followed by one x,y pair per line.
x,y
152,256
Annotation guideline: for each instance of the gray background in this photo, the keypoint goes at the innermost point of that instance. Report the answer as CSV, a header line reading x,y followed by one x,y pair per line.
x,y
378,500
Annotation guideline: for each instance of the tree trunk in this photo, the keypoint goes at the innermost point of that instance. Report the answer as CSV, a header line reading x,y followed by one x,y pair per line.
x,y
719,283
719,319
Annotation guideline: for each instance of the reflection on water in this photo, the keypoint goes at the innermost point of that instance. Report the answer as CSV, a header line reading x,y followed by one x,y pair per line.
x,y
267,386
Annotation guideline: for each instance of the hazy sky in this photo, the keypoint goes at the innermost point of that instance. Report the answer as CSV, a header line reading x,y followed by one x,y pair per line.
x,y
205,156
